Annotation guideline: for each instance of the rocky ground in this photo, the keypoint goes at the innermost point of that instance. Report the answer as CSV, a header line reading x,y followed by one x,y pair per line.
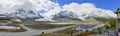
x,y
29,28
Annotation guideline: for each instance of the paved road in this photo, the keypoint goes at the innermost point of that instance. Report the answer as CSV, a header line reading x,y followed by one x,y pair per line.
x,y
90,29
31,32
100,25
113,33
70,23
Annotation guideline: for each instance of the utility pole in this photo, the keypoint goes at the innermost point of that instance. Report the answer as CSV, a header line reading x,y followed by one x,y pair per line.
x,y
71,33
118,20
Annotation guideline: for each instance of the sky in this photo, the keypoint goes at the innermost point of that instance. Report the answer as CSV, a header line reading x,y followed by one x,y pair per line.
x,y
104,4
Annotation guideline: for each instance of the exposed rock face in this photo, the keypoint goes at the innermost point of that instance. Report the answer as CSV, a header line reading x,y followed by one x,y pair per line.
x,y
23,14
65,16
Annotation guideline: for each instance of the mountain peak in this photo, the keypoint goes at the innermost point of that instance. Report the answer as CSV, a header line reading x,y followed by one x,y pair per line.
x,y
21,13
83,16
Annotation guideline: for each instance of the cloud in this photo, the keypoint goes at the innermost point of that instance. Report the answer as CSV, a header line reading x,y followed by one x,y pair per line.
x,y
9,6
50,8
87,9
80,9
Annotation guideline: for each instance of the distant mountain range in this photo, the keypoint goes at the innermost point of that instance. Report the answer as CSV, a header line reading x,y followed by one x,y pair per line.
x,y
23,14
74,12
94,16
64,16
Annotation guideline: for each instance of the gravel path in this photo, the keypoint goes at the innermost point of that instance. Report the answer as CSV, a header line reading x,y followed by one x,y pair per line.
x,y
31,32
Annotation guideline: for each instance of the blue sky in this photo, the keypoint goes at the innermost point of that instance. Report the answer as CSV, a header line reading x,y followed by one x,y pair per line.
x,y
105,4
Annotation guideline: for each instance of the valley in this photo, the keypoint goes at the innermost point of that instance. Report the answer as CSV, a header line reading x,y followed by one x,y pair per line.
x,y
35,28
51,18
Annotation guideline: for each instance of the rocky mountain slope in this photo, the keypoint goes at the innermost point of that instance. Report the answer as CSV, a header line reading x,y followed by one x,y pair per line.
x,y
94,16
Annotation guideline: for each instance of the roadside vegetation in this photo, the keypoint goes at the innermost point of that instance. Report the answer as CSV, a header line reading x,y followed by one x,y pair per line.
x,y
109,26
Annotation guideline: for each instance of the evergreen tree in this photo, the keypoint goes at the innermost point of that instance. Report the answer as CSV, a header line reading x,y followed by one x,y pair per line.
x,y
118,10
113,23
99,30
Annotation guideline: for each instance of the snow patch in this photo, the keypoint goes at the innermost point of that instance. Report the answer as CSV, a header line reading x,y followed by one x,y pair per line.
x,y
9,27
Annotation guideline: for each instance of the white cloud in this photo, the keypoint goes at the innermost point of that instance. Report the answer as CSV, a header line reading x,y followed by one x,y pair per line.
x,y
80,9
51,8
8,6
88,9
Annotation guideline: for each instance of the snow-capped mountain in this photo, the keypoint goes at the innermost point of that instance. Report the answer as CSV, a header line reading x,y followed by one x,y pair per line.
x,y
23,14
66,14
23,9
28,9
95,15
30,15
99,13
